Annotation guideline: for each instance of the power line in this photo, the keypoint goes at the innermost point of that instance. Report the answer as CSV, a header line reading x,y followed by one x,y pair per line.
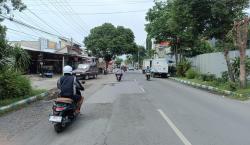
x,y
23,32
105,13
72,18
43,21
98,3
22,18
63,17
74,12
30,26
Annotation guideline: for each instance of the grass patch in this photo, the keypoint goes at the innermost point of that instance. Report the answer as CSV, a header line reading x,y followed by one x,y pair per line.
x,y
13,100
224,86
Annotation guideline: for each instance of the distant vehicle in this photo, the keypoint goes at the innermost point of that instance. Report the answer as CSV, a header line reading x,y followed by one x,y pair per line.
x,y
160,67
47,71
131,68
146,62
85,71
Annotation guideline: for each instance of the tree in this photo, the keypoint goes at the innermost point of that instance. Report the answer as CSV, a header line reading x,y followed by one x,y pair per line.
x,y
11,57
241,30
214,19
186,21
168,21
107,41
9,5
118,61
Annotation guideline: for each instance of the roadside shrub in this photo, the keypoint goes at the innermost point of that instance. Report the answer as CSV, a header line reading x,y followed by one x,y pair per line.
x,y
191,74
220,80
13,84
183,67
236,66
232,86
224,76
207,77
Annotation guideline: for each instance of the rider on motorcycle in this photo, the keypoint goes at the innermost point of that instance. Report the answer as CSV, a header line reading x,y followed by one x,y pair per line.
x,y
70,87
118,71
148,70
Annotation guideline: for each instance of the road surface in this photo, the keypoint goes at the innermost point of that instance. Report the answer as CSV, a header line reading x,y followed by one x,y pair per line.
x,y
139,112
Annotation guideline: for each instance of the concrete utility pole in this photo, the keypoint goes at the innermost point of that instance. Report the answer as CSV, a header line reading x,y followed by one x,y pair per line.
x,y
71,42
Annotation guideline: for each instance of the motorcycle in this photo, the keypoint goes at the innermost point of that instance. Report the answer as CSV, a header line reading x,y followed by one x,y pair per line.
x,y
63,113
148,76
118,77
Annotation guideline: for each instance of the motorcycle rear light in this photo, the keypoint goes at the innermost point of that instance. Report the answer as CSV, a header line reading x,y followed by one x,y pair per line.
x,y
60,108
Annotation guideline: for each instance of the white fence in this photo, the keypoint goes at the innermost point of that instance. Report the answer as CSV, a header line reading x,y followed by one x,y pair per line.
x,y
213,63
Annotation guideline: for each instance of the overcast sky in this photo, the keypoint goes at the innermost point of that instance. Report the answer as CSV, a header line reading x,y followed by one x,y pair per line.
x,y
74,18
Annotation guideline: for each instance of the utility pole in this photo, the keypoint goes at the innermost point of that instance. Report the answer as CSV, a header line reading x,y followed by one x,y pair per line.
x,y
71,42
138,58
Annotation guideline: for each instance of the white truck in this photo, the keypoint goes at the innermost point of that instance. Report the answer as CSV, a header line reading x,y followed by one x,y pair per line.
x,y
160,67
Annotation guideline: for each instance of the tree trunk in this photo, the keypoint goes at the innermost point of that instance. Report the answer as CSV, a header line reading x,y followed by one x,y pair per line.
x,y
241,41
176,55
243,83
229,66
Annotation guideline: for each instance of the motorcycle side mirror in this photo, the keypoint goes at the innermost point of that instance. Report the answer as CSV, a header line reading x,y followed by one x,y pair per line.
x,y
83,82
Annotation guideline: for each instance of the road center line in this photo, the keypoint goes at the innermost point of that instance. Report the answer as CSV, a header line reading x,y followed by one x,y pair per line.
x,y
175,129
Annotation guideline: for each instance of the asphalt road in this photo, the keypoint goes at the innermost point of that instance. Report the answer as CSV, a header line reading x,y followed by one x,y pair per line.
x,y
139,112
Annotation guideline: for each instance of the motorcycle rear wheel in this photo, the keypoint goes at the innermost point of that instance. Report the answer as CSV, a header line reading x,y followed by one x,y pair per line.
x,y
58,127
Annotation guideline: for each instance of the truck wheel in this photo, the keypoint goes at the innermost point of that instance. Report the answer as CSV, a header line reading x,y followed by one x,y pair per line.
x,y
95,76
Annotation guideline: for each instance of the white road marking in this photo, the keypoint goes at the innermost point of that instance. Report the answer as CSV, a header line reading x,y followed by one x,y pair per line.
x,y
175,129
135,80
142,89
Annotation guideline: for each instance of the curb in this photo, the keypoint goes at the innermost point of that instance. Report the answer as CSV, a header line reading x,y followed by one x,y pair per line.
x,y
22,102
205,87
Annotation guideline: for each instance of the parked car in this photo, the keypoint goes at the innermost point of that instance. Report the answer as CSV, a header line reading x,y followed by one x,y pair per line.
x,y
86,71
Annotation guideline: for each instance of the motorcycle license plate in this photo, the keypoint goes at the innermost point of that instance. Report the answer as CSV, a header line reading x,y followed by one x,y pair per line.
x,y
55,118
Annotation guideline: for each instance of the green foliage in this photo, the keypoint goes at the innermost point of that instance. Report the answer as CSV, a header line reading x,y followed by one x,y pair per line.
x,y
236,66
183,67
134,56
12,57
191,74
21,58
232,86
13,85
200,47
118,61
15,5
207,77
224,76
188,23
107,41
